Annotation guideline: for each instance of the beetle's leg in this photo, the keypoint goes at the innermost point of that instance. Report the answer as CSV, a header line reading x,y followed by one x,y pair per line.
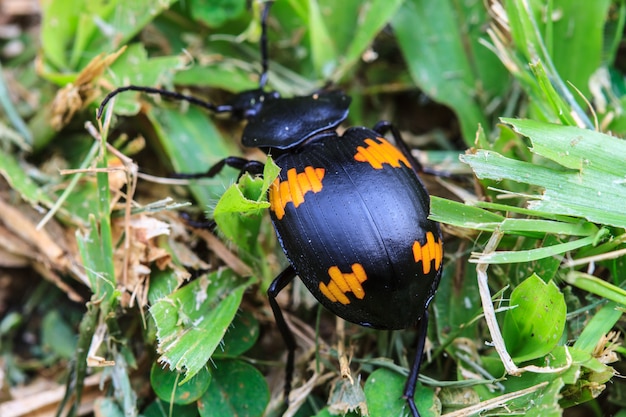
x,y
411,382
242,164
277,285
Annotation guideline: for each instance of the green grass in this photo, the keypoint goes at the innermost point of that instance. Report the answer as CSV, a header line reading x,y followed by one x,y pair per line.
x,y
535,91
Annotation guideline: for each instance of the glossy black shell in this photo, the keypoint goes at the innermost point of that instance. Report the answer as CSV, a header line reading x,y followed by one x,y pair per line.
x,y
361,215
285,123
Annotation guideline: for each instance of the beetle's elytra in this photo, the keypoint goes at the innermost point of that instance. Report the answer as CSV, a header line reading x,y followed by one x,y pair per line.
x,y
350,210
353,206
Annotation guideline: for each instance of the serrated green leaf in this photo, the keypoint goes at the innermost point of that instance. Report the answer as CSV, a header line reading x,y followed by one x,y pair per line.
x,y
536,323
567,191
192,321
238,217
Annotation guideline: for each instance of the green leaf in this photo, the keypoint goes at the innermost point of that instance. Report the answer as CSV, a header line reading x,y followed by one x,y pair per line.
x,y
86,29
237,389
134,67
507,257
588,169
57,335
19,181
60,19
536,322
383,390
215,13
441,55
238,212
599,325
193,144
160,408
241,335
596,286
462,215
372,17
238,217
192,321
168,387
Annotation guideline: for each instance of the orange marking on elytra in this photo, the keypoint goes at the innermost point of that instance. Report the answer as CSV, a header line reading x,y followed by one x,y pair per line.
x,y
432,250
379,153
342,283
294,188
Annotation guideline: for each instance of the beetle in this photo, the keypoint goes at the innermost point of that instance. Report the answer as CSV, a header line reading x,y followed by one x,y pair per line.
x,y
350,211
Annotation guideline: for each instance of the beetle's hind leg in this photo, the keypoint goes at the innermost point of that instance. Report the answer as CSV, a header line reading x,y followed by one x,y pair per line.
x,y
279,283
411,382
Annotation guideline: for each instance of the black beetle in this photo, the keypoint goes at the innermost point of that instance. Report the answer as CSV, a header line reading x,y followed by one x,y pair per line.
x,y
350,210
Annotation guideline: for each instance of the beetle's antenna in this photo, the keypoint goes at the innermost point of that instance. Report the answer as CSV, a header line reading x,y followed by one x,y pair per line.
x,y
264,52
164,93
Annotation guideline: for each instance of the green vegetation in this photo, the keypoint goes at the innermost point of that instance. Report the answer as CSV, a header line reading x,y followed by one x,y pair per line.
x,y
96,263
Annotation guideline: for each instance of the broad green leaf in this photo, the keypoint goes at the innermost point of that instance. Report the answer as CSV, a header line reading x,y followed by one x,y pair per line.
x,y
168,387
536,322
383,391
215,13
160,408
372,16
441,61
572,147
547,404
192,321
240,337
237,389
60,19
